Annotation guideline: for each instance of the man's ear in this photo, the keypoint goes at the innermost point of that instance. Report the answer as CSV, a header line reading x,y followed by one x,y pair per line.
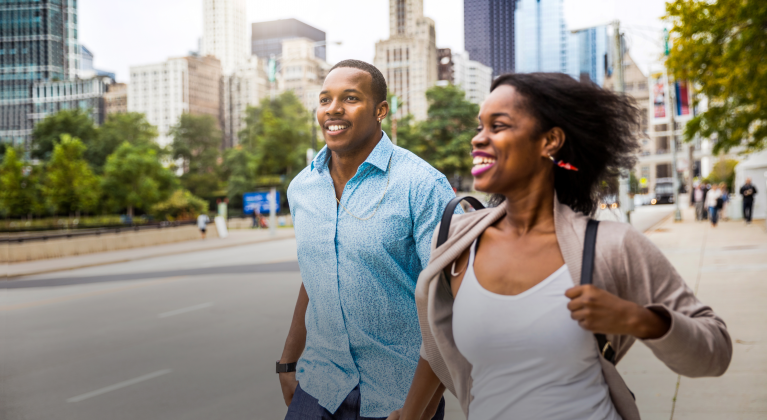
x,y
382,110
554,139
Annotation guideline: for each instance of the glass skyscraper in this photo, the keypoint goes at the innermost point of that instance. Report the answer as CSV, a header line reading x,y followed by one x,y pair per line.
x,y
38,42
489,33
544,43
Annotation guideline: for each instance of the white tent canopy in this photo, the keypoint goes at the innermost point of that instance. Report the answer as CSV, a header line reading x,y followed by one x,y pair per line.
x,y
754,166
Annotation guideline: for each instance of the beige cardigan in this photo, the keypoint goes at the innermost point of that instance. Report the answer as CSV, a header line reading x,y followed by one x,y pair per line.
x,y
627,264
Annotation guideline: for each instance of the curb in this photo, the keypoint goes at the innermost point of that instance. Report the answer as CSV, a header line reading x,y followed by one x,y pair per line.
x,y
159,254
660,222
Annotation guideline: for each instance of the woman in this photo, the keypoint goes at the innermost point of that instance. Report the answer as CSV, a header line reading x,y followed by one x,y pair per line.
x,y
714,204
725,200
506,325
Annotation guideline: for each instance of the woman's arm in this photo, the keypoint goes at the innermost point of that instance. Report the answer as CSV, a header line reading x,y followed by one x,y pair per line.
x,y
424,390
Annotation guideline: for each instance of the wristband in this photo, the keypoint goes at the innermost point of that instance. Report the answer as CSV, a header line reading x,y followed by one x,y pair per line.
x,y
286,367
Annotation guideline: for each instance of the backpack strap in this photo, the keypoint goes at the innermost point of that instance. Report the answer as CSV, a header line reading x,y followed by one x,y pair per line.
x,y
587,273
447,216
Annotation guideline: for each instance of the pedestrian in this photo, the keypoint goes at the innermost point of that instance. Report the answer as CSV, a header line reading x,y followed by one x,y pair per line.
x,y
508,326
202,223
748,191
363,211
699,198
714,203
725,200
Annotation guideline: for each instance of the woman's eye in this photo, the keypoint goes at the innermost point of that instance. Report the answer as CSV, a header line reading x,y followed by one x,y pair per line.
x,y
479,129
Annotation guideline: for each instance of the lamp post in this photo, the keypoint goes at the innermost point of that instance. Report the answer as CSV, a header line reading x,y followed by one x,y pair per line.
x,y
672,129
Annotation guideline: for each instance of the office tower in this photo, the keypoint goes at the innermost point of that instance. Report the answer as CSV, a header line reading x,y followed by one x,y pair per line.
x,y
38,42
116,99
164,91
267,37
225,32
247,86
593,54
542,40
488,28
301,71
408,59
472,76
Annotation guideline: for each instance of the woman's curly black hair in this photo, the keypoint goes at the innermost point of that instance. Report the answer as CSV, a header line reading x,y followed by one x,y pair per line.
x,y
600,131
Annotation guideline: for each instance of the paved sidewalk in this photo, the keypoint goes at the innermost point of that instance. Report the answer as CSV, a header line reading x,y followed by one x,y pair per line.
x,y
727,267
236,237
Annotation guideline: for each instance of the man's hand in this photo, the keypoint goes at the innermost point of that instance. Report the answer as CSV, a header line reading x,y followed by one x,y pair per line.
x,y
599,311
289,384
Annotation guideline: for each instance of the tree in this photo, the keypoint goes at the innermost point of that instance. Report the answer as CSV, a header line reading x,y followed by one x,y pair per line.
x,y
20,193
70,186
131,127
197,142
241,174
181,205
723,171
135,178
74,122
720,46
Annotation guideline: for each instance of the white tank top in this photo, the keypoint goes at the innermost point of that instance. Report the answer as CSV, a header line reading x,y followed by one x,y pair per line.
x,y
530,360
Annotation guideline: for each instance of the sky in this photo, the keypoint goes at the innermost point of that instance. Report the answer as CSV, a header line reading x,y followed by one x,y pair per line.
x,y
124,33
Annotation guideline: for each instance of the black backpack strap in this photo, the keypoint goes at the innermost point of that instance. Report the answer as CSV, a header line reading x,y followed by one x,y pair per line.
x,y
587,272
447,216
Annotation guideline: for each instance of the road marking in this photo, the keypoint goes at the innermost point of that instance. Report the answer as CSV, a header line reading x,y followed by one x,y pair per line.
x,y
118,386
185,310
84,295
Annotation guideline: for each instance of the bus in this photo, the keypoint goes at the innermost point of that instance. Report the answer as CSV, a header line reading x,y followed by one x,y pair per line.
x,y
664,191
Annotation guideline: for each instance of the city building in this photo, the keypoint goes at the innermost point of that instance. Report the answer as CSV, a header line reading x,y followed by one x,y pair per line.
x,y
86,66
267,37
301,71
116,99
472,76
38,43
445,66
408,59
164,91
542,40
225,33
594,57
247,86
50,97
489,35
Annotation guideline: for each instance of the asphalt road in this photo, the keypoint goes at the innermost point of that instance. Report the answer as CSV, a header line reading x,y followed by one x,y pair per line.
x,y
192,336
185,337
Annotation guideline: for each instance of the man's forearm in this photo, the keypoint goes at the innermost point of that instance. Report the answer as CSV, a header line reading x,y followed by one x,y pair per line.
x,y
296,341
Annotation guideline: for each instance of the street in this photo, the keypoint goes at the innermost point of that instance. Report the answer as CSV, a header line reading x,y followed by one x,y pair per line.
x,y
196,335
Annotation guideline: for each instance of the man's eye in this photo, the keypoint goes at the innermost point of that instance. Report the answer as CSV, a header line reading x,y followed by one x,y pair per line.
x,y
351,98
323,100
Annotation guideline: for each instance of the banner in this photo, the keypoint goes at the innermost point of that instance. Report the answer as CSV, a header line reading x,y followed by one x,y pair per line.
x,y
683,92
659,97
259,201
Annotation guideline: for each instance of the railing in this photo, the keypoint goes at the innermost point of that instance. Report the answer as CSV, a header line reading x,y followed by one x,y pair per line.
x,y
20,238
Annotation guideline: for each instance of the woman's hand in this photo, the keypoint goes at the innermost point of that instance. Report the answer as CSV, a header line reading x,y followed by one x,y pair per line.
x,y
395,415
599,311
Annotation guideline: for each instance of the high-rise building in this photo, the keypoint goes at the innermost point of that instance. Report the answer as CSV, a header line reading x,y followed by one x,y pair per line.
x,y
225,32
116,99
267,37
488,33
38,42
247,86
542,40
445,65
50,97
164,91
408,59
301,71
593,54
472,76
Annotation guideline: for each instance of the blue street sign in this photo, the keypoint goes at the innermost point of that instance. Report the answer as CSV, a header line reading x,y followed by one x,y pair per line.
x,y
258,201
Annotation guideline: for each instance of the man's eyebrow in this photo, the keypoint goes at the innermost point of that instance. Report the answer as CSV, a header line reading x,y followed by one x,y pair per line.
x,y
345,90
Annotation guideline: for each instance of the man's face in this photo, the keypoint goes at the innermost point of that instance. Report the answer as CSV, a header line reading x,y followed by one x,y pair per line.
x,y
348,113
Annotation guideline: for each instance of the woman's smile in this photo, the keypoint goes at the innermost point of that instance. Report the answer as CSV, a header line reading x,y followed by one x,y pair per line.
x,y
482,163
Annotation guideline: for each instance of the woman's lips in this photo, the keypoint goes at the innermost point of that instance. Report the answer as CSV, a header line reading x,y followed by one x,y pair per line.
x,y
482,163
477,170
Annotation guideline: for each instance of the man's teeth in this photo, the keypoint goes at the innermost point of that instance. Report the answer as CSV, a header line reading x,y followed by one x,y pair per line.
x,y
482,161
337,127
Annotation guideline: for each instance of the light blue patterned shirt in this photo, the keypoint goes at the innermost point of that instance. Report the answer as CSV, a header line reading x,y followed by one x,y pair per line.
x,y
360,275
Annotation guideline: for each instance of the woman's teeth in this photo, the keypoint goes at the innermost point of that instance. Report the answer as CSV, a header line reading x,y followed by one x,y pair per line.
x,y
483,162
337,127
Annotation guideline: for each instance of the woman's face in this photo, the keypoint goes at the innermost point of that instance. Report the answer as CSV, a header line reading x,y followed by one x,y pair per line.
x,y
508,150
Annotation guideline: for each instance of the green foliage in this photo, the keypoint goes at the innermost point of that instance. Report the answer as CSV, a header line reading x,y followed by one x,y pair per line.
x,y
720,47
197,142
74,122
131,127
134,177
241,173
70,186
181,205
20,193
723,171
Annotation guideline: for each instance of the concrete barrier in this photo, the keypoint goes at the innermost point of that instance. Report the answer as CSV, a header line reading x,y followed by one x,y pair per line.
x,y
65,247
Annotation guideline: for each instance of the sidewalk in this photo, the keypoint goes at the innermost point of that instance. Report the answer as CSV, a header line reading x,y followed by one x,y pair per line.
x,y
236,237
727,267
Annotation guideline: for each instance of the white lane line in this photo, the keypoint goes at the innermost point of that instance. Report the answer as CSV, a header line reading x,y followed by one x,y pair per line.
x,y
185,310
118,386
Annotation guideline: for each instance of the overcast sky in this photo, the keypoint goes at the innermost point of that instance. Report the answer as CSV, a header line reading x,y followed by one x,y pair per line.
x,y
122,33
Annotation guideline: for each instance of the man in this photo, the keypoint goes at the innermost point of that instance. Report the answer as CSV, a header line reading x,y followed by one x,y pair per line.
x,y
748,191
699,199
202,223
364,213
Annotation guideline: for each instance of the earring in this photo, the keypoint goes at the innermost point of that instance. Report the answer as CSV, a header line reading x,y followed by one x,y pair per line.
x,y
563,165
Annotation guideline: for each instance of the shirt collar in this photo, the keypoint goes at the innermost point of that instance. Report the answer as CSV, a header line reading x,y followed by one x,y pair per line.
x,y
379,157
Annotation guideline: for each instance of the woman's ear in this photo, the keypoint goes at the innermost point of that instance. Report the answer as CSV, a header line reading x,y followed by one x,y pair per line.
x,y
554,140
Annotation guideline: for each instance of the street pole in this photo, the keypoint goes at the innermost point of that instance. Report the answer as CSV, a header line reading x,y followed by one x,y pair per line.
x,y
618,86
273,212
672,123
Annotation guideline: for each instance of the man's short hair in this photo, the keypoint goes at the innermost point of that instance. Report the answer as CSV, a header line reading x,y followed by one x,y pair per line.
x,y
379,83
